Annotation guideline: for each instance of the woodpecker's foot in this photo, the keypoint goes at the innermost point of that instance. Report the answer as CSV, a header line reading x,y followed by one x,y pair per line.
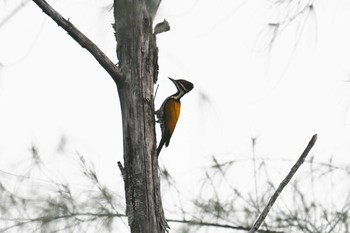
x,y
157,115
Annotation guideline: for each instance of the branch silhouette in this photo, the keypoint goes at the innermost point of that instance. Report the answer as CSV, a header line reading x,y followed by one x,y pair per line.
x,y
282,185
84,42
227,226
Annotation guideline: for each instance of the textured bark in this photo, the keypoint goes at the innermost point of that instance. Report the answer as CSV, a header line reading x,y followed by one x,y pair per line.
x,y
135,77
137,53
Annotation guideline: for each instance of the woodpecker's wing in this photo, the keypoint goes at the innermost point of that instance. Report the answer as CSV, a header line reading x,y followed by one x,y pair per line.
x,y
171,115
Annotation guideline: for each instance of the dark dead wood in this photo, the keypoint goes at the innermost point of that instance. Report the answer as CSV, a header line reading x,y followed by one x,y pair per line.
x,y
161,27
138,60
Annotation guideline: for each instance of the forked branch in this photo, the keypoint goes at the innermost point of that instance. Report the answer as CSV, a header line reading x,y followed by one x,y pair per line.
x,y
283,184
79,37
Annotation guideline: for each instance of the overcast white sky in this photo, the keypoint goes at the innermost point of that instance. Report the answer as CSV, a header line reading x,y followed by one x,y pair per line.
x,y
50,87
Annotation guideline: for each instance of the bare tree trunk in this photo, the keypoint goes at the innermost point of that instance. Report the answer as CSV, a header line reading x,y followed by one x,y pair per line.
x,y
138,54
135,76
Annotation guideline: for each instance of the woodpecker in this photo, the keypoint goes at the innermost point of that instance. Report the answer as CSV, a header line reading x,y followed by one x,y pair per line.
x,y
169,111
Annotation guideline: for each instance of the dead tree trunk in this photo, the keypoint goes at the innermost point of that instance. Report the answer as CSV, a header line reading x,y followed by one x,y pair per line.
x,y
138,54
135,76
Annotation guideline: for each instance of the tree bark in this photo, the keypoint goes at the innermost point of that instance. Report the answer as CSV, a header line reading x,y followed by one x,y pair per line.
x,y
138,54
135,77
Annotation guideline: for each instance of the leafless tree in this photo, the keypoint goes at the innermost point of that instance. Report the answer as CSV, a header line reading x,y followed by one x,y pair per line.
x,y
135,76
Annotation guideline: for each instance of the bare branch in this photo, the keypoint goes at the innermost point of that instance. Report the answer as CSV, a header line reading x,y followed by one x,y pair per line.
x,y
79,37
208,224
283,184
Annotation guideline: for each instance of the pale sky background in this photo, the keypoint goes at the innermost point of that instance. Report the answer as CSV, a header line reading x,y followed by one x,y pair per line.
x,y
50,87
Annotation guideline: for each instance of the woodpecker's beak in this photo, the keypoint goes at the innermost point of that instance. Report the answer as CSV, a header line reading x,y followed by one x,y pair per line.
x,y
174,81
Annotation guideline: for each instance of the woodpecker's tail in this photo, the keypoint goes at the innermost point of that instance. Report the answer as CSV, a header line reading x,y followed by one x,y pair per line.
x,y
161,144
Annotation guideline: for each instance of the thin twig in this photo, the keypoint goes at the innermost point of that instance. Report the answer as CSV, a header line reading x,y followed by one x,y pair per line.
x,y
283,184
79,37
13,13
122,170
208,224
155,94
46,219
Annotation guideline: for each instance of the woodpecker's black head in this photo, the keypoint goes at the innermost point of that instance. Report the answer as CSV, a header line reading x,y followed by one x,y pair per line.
x,y
182,86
